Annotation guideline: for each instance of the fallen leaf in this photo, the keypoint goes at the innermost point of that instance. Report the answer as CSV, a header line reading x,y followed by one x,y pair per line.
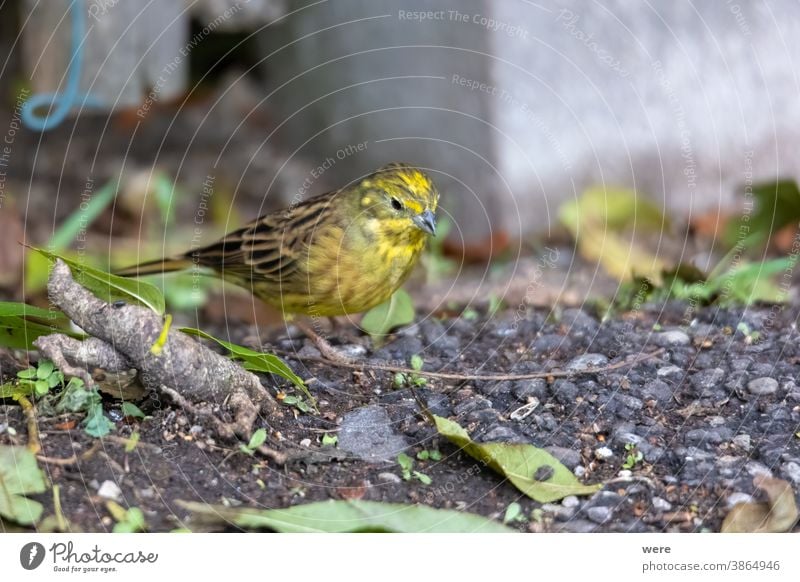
x,y
777,514
349,516
256,361
532,470
20,475
604,224
380,320
110,287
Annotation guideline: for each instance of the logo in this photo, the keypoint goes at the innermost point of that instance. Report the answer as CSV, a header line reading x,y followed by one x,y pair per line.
x,y
31,555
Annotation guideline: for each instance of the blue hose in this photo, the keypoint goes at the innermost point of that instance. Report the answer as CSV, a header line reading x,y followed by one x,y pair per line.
x,y
59,104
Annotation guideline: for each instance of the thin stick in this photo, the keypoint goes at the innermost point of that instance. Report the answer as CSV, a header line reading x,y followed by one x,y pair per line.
x,y
489,377
34,444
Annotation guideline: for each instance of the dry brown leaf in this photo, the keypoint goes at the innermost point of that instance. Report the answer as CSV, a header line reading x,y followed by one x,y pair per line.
x,y
777,514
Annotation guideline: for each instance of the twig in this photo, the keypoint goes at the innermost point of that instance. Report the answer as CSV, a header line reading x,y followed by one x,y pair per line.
x,y
34,444
488,377
70,460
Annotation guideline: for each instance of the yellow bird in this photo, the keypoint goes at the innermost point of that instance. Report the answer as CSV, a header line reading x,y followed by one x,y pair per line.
x,y
338,253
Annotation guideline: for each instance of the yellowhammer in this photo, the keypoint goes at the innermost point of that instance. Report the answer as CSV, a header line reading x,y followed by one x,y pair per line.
x,y
338,253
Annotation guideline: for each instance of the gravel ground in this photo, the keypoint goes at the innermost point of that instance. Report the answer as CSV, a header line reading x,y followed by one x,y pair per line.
x,y
716,407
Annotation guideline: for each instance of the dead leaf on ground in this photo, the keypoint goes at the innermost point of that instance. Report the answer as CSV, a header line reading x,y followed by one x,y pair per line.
x,y
777,514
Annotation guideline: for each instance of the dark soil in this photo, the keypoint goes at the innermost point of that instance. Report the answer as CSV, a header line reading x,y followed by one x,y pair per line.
x,y
718,406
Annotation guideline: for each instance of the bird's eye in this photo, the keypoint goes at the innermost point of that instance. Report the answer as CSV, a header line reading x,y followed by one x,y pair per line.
x,y
396,204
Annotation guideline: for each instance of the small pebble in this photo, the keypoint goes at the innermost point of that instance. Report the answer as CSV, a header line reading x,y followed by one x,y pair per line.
x,y
670,371
587,361
743,441
600,514
603,453
660,504
792,470
669,338
762,386
389,478
570,501
110,490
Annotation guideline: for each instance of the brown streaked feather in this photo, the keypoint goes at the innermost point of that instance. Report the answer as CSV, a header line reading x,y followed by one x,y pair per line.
x,y
270,245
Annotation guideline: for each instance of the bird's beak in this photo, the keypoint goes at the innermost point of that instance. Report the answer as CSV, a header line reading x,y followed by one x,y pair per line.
x,y
426,222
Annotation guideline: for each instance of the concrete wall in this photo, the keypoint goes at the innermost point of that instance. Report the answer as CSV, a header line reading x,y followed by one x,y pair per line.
x,y
517,106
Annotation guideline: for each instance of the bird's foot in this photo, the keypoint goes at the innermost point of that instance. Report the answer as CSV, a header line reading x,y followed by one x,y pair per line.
x,y
325,348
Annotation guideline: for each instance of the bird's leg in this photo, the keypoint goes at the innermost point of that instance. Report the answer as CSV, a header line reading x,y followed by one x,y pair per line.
x,y
325,348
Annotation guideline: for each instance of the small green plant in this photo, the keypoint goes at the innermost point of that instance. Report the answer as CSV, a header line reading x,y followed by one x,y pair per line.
x,y
513,513
257,439
40,380
297,401
433,455
329,440
129,520
76,398
496,303
411,379
407,470
470,314
633,456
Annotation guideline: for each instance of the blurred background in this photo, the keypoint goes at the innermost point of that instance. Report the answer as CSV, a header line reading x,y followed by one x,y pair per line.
x,y
577,145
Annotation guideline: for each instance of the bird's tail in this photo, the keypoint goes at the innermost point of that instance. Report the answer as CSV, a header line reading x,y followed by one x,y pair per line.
x,y
165,265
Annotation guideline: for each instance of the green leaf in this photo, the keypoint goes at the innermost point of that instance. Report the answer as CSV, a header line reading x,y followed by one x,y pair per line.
x,y
19,333
602,222
110,287
256,361
423,455
435,455
44,369
513,512
380,320
405,462
329,440
533,471
423,478
83,216
776,205
27,374
417,362
41,387
20,475
129,409
14,309
259,438
76,398
348,516
96,424
12,389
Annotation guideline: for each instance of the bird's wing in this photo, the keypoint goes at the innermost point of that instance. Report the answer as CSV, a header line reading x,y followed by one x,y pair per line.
x,y
272,246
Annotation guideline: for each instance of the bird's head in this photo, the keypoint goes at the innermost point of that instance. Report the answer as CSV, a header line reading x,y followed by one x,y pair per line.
x,y
400,201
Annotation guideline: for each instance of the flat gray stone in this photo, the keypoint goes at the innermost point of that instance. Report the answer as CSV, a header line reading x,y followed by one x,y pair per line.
x,y
673,337
762,386
587,361
368,434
